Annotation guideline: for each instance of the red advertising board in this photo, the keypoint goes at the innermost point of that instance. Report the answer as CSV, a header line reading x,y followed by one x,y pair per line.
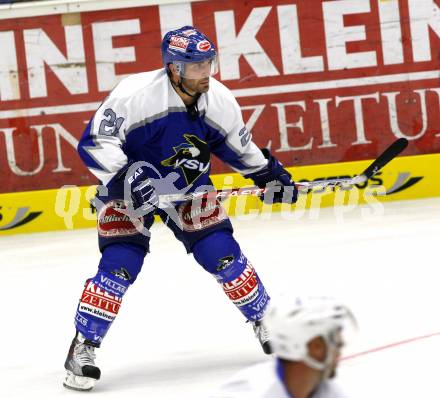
x,y
318,81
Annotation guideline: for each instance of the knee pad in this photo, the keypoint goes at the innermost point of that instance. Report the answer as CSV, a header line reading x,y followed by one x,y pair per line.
x,y
220,255
123,260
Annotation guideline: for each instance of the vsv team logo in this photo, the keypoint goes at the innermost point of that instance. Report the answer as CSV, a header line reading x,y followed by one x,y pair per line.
x,y
191,157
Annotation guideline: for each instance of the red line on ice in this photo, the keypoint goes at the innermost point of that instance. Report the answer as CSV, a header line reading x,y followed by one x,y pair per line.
x,y
392,345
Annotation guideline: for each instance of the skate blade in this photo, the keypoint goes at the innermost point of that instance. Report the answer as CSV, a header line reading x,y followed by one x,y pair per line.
x,y
78,383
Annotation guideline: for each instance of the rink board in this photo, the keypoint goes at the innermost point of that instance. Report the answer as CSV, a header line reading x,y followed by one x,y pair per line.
x,y
317,81
410,177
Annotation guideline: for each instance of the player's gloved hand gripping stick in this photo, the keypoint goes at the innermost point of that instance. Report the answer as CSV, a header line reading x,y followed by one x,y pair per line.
x,y
275,180
142,192
389,154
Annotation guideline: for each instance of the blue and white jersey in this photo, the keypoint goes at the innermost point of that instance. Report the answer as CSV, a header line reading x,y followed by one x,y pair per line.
x,y
144,119
263,381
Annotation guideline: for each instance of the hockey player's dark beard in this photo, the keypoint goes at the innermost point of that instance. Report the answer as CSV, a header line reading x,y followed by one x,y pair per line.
x,y
185,91
196,86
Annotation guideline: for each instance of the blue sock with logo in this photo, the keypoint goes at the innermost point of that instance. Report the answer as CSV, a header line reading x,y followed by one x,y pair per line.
x,y
102,296
220,255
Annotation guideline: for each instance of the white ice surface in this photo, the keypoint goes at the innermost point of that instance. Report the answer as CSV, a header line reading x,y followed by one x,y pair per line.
x,y
178,336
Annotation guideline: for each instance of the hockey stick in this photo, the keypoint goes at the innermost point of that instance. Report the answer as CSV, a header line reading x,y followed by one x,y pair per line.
x,y
384,158
389,154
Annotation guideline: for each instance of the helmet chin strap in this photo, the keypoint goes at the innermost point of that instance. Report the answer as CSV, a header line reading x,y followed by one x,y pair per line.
x,y
323,366
192,108
180,85
314,364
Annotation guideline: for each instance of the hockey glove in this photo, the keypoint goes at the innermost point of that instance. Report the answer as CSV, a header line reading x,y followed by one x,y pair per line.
x,y
280,187
143,193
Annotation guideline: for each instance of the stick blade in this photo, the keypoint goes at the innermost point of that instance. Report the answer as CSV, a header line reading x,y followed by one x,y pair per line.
x,y
389,154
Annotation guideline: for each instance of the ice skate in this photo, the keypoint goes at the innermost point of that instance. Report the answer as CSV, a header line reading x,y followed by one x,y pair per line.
x,y
80,365
262,335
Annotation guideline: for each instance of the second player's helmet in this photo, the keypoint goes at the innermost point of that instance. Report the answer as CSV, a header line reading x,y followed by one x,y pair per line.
x,y
193,54
292,325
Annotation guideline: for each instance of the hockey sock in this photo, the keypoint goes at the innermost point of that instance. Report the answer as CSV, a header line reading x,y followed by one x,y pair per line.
x,y
102,295
220,255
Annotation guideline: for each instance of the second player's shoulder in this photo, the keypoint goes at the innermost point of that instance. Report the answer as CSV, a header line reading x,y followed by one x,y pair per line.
x,y
331,389
257,381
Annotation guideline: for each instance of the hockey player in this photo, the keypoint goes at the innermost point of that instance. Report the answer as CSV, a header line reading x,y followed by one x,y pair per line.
x,y
163,126
306,339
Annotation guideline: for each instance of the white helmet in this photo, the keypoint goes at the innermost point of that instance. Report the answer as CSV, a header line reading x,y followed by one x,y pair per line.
x,y
292,325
